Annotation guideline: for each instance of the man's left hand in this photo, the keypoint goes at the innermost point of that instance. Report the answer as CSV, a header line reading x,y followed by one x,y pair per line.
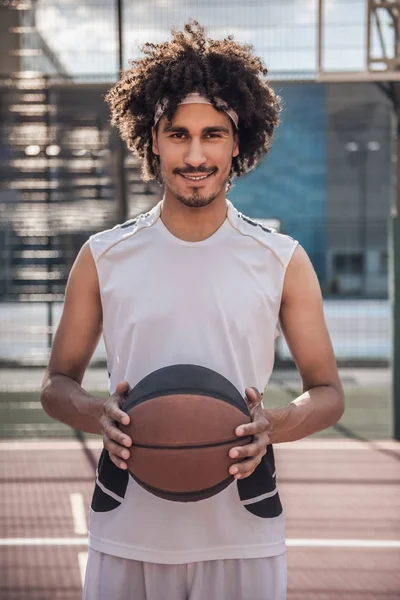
x,y
250,455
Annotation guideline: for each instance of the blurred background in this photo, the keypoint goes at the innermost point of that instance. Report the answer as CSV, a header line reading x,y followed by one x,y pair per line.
x,y
329,181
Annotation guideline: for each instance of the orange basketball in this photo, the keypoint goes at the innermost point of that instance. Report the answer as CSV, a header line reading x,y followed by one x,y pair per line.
x,y
183,421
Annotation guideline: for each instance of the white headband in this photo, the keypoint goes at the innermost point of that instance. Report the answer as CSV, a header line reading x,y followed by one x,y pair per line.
x,y
196,98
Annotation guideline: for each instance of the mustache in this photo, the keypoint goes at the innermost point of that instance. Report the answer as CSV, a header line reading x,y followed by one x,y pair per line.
x,y
192,170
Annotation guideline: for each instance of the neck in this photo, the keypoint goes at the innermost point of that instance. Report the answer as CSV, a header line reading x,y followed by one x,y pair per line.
x,y
192,224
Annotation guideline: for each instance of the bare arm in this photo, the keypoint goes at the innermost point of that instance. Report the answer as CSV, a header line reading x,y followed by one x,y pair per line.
x,y
322,403
303,323
76,339
63,397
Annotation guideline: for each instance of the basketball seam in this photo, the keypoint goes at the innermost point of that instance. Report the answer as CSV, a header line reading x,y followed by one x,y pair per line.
x,y
189,446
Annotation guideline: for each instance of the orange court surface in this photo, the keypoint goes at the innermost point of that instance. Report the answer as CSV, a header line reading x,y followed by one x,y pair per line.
x,y
341,498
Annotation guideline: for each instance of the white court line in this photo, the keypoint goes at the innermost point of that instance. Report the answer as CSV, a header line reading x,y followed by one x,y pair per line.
x,y
50,445
78,513
82,560
306,444
43,542
340,444
328,543
291,542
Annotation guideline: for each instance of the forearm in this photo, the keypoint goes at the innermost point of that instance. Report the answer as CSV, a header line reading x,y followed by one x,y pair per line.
x,y
316,409
65,400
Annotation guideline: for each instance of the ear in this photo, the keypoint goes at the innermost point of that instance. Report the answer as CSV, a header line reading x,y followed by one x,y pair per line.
x,y
235,150
154,137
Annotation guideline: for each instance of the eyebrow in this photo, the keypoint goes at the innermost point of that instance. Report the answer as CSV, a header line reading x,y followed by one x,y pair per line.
x,y
176,129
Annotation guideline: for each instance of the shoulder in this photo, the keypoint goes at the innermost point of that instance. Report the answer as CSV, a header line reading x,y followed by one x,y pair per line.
x,y
279,244
301,280
103,241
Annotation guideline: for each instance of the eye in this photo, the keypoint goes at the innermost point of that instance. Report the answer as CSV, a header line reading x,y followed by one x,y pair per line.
x,y
177,136
213,135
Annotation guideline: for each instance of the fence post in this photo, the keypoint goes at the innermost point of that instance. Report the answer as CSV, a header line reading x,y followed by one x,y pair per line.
x,y
394,280
394,253
122,210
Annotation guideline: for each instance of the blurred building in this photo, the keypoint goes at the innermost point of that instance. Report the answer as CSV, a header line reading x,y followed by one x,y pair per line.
x,y
59,164
327,179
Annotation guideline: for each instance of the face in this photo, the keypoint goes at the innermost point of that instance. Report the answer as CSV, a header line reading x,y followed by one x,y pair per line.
x,y
196,151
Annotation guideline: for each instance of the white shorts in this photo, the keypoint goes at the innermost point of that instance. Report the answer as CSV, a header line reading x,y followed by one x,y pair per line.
x,y
113,578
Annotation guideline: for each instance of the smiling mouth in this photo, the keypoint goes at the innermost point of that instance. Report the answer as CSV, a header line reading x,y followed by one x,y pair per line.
x,y
197,177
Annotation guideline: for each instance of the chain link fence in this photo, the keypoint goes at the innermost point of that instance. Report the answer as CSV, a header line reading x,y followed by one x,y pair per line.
x,y
65,175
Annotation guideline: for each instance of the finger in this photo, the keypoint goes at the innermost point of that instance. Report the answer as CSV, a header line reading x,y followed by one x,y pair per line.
x,y
116,449
117,461
253,397
249,450
122,387
245,468
115,434
253,428
119,397
114,412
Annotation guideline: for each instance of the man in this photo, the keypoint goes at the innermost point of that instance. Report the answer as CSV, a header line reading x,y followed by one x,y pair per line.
x,y
192,281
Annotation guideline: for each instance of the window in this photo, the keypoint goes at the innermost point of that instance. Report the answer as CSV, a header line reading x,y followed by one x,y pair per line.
x,y
348,264
383,262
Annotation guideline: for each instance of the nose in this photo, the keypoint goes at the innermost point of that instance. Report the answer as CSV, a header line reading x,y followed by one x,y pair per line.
x,y
195,154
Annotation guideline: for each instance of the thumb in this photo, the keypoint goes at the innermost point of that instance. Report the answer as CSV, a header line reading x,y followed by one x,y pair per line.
x,y
123,387
253,397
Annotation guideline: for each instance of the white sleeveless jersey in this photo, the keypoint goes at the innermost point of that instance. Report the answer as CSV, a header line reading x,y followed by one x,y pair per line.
x,y
213,303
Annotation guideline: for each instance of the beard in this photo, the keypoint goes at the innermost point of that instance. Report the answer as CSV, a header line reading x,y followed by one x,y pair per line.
x,y
196,199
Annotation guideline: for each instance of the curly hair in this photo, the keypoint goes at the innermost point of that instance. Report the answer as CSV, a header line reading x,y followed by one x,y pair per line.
x,y
192,62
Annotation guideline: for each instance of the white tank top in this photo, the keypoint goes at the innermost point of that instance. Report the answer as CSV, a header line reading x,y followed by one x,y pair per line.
x,y
213,303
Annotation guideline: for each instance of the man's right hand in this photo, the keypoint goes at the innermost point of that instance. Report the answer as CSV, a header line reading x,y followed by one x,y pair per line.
x,y
114,440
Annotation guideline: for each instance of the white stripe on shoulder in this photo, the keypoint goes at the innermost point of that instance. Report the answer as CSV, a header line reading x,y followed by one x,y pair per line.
x,y
104,241
280,245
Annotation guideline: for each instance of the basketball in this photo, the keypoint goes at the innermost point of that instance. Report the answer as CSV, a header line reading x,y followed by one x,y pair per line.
x,y
183,421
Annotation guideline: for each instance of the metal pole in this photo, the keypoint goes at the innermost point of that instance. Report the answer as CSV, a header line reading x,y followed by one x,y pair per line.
x,y
120,36
368,32
395,17
320,36
394,282
363,216
122,210
49,246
